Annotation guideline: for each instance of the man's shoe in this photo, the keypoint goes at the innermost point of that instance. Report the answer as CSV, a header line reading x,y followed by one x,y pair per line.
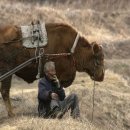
x,y
59,115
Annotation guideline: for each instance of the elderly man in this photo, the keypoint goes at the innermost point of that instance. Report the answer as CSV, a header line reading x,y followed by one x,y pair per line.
x,y
51,96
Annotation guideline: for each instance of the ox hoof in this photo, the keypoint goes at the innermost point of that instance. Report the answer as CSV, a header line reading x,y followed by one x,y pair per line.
x,y
11,114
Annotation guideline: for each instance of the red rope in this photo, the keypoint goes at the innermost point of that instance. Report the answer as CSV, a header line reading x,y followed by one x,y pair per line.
x,y
61,54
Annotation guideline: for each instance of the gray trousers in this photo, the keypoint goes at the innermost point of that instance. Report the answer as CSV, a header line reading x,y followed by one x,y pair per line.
x,y
57,109
71,102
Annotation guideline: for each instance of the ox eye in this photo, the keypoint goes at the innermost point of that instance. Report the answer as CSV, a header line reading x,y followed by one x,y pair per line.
x,y
98,62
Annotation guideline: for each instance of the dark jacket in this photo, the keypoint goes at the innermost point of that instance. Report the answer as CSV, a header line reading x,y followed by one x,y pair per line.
x,y
46,105
46,87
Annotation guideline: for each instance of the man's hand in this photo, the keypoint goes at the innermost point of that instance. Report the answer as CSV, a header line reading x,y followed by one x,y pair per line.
x,y
56,81
54,96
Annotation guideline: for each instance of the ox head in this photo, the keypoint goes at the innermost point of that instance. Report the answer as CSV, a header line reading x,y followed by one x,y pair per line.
x,y
95,63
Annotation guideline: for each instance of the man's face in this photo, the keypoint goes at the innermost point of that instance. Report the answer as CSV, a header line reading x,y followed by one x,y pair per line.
x,y
51,73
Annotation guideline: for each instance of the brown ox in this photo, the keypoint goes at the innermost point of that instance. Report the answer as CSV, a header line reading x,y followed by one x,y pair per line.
x,y
88,57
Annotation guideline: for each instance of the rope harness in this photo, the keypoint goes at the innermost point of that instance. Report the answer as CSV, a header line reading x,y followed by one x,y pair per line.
x,y
96,64
93,97
39,53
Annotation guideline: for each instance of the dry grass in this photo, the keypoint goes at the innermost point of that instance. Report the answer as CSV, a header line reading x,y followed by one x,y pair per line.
x,y
97,20
111,105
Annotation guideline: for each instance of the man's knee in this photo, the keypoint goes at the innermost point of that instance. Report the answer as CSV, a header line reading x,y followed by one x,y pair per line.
x,y
74,96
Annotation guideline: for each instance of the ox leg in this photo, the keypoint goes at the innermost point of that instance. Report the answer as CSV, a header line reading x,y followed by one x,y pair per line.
x,y
5,89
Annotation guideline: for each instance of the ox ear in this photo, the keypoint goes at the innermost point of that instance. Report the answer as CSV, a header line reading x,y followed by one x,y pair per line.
x,y
96,48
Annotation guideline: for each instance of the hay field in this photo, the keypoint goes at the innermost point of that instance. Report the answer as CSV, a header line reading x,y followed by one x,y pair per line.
x,y
104,21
